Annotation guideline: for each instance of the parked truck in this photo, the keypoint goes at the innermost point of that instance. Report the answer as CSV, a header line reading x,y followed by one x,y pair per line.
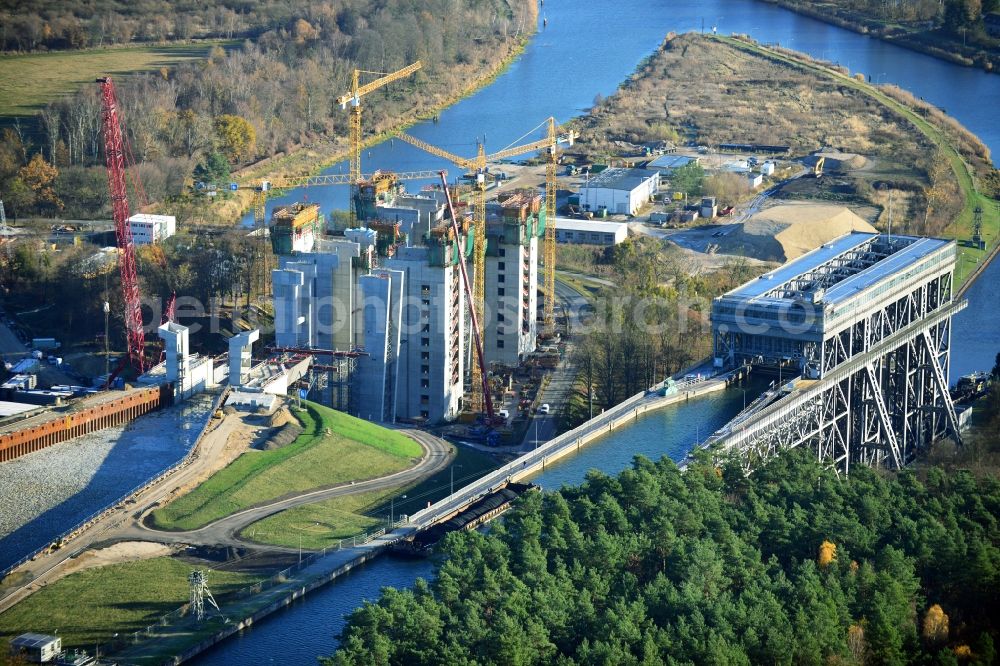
x,y
45,344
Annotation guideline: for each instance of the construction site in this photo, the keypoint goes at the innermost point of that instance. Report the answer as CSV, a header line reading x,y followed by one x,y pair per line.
x,y
420,312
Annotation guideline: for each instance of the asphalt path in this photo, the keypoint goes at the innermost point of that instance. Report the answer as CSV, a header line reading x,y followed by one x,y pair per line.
x,y
543,427
124,522
226,531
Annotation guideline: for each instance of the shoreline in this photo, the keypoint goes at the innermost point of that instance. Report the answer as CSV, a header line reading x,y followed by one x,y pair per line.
x,y
903,40
312,160
963,171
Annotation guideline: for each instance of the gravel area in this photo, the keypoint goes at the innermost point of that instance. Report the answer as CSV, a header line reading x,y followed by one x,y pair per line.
x,y
47,492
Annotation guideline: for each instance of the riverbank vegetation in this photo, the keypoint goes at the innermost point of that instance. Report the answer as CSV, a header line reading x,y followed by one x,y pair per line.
x,y
650,319
789,565
63,290
958,31
334,448
280,85
705,91
978,180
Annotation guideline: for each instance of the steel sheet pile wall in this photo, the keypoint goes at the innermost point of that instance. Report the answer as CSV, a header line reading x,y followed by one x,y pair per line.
x,y
112,413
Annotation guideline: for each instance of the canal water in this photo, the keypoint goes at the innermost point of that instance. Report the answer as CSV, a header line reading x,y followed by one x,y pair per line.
x,y
587,49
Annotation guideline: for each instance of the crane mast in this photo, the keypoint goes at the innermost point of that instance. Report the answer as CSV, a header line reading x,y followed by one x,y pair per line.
x,y
114,147
549,246
478,339
478,165
353,97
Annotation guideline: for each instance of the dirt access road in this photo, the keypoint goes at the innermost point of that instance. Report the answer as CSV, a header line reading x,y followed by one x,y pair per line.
x,y
212,452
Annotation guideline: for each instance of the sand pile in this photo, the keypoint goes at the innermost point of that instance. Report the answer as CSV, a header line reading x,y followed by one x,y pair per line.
x,y
789,230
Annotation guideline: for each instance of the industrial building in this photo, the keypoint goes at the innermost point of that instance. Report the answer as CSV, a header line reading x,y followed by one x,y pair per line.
x,y
400,308
619,190
515,225
667,164
149,229
866,321
431,368
387,301
590,232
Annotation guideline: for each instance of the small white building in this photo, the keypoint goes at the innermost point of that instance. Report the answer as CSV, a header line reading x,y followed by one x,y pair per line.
x,y
709,209
149,229
767,168
36,648
619,190
590,232
737,166
755,180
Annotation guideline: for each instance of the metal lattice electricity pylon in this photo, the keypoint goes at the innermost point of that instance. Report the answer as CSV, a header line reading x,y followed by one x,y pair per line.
x,y
198,587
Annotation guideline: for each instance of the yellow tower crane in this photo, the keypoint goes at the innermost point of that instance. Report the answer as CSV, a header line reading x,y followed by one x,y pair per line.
x,y
353,97
478,164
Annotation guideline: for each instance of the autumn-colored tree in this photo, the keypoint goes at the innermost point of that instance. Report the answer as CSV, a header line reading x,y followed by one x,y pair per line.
x,y
304,32
827,553
39,175
856,642
963,652
236,136
935,625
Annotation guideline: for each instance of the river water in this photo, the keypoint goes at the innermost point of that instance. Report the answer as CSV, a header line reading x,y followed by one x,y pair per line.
x,y
587,49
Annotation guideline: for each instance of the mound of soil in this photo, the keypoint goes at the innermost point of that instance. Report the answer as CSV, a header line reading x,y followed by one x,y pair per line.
x,y
786,231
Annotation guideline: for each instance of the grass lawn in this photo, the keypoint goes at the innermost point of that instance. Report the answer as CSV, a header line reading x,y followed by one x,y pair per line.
x,y
334,448
90,606
324,523
28,82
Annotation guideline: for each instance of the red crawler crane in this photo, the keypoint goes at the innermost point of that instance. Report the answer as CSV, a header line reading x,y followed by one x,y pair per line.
x,y
115,149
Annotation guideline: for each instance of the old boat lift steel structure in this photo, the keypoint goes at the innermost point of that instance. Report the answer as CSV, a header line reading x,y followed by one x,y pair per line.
x,y
866,320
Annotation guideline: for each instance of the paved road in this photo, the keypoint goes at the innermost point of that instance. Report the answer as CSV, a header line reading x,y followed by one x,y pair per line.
x,y
226,531
543,427
122,523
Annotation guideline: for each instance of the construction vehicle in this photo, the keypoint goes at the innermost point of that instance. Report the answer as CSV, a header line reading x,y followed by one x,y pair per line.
x,y
478,165
116,153
818,167
353,97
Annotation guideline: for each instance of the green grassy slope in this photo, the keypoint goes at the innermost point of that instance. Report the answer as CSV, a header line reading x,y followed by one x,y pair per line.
x,y
118,598
334,448
28,82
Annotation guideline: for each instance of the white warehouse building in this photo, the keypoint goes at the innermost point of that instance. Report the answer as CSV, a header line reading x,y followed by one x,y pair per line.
x,y
590,232
619,190
149,229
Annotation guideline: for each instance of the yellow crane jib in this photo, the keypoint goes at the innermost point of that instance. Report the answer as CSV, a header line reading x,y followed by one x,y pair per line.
x,y
478,164
353,98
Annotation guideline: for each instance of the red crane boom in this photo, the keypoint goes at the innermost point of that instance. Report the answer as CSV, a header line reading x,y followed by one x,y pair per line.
x,y
487,398
114,147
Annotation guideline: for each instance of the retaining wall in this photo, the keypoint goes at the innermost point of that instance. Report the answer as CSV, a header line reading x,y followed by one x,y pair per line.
x,y
129,407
